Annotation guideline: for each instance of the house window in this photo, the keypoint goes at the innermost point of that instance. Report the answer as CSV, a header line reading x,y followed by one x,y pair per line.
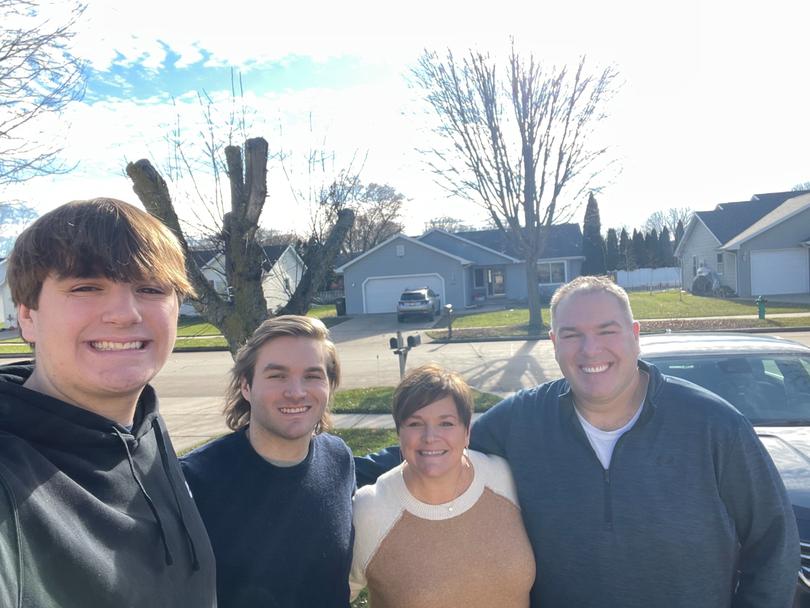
x,y
551,272
720,265
400,251
478,278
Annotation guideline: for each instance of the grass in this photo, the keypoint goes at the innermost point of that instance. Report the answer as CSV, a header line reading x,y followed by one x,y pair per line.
x,y
366,441
377,400
668,304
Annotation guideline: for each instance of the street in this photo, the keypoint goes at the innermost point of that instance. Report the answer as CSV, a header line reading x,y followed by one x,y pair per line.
x,y
191,385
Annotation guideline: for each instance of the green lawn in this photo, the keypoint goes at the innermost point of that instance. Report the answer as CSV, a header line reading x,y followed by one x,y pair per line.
x,y
656,305
377,400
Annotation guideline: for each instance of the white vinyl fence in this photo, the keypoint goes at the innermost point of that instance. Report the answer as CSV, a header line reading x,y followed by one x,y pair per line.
x,y
649,278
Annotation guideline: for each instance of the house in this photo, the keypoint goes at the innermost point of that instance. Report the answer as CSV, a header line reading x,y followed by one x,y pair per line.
x,y
282,271
757,247
8,312
464,268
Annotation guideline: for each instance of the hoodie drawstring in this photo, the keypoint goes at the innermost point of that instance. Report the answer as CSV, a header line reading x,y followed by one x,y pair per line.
x,y
195,563
149,501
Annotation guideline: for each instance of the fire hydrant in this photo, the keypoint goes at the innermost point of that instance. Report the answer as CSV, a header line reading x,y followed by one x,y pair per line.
x,y
761,306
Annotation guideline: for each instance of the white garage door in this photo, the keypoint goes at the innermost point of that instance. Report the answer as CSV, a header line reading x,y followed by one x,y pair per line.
x,y
779,271
381,294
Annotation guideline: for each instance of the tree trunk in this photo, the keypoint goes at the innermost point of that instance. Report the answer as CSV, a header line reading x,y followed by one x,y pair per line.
x,y
240,311
318,261
535,303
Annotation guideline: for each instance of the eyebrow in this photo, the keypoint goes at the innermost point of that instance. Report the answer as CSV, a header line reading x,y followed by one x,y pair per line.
x,y
284,368
604,325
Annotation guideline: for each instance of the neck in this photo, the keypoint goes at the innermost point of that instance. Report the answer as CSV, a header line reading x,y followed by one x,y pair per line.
x,y
616,415
117,409
276,449
439,490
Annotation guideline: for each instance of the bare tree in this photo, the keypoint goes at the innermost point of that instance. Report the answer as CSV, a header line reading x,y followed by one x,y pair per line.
x,y
39,76
667,218
377,210
803,186
238,312
519,141
448,224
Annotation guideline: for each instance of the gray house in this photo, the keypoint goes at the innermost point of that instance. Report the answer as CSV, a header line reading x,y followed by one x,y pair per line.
x,y
757,247
282,269
464,268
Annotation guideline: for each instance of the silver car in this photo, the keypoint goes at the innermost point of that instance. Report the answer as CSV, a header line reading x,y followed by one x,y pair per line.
x,y
418,303
768,380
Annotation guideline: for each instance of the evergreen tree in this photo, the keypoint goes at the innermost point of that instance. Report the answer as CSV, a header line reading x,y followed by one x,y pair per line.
x,y
627,260
651,245
593,245
639,250
612,255
678,234
665,248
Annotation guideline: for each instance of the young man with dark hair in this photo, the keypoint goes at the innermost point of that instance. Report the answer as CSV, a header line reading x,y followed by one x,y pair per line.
x,y
276,494
94,510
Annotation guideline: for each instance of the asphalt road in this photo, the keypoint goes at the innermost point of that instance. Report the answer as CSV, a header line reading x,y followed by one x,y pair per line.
x,y
191,385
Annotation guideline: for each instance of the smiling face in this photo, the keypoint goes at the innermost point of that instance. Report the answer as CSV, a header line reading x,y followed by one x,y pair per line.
x,y
99,342
288,394
596,346
432,441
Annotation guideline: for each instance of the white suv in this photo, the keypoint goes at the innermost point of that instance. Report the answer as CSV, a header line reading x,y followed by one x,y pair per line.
x,y
418,302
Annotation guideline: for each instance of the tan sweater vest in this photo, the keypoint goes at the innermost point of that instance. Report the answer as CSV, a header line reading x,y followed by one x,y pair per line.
x,y
415,555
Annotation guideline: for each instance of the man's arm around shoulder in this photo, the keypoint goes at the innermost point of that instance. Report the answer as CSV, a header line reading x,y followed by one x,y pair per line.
x,y
491,431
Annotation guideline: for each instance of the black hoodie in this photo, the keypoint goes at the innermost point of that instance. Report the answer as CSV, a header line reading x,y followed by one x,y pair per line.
x,y
93,515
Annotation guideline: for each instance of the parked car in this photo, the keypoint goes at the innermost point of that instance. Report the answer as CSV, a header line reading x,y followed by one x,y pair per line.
x,y
768,380
418,302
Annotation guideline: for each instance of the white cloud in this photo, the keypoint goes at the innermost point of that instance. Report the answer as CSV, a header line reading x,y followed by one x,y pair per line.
x,y
713,107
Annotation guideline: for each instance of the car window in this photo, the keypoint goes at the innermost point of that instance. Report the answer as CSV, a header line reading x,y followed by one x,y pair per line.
x,y
767,389
411,297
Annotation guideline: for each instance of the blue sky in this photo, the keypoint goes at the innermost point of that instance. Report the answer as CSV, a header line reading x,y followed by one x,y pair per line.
x,y
713,106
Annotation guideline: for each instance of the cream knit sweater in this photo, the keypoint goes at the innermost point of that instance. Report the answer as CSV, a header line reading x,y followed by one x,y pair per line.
x,y
471,552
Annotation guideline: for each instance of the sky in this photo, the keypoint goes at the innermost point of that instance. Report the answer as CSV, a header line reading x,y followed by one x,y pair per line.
x,y
713,103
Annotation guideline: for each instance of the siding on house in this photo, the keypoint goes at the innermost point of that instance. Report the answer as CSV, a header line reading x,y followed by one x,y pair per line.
x,y
280,282
416,259
700,250
789,233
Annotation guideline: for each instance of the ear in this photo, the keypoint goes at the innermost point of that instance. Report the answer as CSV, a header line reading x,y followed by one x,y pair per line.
x,y
245,389
552,336
636,329
26,319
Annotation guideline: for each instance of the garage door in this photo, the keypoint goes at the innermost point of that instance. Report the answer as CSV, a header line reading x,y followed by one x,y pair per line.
x,y
381,294
780,271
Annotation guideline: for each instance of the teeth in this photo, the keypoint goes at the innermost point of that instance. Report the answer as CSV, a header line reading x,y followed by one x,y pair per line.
x,y
117,345
595,369
432,452
293,410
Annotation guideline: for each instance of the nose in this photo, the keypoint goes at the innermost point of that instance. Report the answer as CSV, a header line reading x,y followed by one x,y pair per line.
x,y
428,433
591,344
121,305
294,390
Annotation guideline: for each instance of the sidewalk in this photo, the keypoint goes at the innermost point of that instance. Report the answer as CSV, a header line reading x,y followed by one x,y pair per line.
x,y
368,421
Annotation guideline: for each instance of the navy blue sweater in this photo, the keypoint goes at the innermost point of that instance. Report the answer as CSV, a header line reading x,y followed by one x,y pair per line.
x,y
282,537
690,497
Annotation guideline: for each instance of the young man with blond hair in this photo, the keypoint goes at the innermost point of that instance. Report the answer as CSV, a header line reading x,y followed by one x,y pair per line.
x,y
94,510
275,495
638,489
